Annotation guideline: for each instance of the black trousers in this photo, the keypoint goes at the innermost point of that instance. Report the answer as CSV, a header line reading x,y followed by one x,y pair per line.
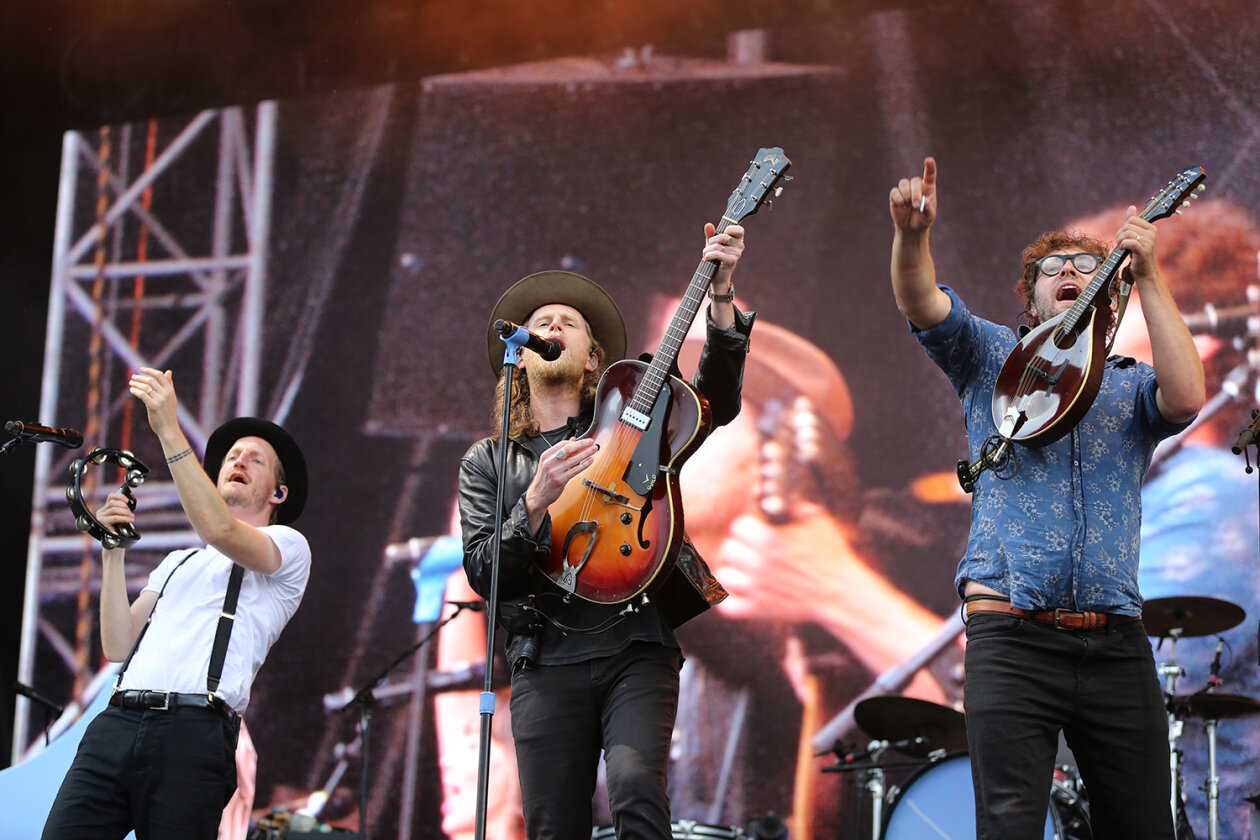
x,y
1026,682
163,774
564,715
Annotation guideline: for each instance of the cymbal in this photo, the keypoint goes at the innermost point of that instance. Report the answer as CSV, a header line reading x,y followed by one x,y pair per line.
x,y
1194,615
905,718
1212,706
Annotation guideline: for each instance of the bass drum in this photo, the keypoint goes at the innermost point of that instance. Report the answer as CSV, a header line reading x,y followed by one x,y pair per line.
x,y
683,830
939,801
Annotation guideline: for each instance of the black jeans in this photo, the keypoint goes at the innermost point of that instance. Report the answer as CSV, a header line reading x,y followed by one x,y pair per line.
x,y
564,715
1025,682
163,774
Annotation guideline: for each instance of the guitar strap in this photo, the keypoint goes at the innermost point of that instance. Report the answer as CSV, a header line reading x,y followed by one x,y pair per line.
x,y
1124,285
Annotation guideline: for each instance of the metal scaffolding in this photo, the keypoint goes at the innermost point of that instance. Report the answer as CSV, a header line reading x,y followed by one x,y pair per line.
x,y
165,264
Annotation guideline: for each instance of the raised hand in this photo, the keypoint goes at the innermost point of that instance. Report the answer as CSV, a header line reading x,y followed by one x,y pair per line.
x,y
156,390
913,201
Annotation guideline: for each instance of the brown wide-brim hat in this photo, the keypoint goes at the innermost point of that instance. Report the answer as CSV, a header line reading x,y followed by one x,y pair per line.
x,y
529,293
287,451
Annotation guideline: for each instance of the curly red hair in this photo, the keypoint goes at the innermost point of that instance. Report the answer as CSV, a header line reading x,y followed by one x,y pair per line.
x,y
1051,242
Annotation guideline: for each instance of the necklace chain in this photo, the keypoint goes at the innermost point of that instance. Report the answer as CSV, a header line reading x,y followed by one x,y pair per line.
x,y
560,434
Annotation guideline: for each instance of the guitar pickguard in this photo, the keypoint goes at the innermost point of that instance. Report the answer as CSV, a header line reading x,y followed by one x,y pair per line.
x,y
645,463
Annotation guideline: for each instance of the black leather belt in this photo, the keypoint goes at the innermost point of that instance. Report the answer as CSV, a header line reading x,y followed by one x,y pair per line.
x,y
166,701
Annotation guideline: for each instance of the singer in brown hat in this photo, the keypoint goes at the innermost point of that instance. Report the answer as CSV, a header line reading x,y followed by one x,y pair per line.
x,y
587,677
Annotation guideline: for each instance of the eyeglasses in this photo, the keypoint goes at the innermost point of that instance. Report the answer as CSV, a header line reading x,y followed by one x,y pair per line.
x,y
1053,263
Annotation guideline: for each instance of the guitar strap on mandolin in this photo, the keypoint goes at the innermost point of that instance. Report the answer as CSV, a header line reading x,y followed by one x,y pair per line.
x,y
1124,285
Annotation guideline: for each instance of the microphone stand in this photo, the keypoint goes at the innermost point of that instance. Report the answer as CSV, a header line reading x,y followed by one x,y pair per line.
x,y
366,700
511,357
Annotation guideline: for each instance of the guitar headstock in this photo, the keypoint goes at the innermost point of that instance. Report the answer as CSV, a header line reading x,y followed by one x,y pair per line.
x,y
1180,190
759,185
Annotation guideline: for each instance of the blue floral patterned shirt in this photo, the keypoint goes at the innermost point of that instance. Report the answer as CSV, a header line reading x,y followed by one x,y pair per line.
x,y
1064,530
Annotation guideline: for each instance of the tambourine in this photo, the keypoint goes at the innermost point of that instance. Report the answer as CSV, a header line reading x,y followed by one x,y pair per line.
x,y
124,533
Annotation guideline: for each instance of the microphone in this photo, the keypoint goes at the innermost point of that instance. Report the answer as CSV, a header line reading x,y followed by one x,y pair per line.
x,y
28,692
36,433
546,348
1215,669
1248,435
475,606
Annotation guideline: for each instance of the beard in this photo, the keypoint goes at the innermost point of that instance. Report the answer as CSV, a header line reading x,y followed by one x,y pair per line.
x,y
566,370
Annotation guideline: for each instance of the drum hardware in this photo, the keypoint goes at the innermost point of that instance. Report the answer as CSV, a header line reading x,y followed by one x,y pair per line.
x,y
1175,618
939,801
912,727
870,766
1213,708
683,830
1190,616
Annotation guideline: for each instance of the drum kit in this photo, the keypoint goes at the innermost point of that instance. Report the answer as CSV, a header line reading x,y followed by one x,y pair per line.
x,y
937,799
1178,618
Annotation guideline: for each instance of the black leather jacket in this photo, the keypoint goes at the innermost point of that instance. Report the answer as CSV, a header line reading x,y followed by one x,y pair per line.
x,y
689,590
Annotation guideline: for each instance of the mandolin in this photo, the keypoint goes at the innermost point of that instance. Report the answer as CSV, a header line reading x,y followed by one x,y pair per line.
x,y
617,528
1052,376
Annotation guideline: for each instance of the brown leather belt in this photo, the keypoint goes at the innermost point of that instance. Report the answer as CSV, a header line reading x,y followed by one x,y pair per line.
x,y
166,701
1059,619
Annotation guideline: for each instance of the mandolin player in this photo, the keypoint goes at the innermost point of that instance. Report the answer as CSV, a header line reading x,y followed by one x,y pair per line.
x,y
1049,576
587,677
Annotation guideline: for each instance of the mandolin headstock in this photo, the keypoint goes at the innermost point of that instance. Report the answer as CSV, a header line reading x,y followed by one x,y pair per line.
x,y
1179,191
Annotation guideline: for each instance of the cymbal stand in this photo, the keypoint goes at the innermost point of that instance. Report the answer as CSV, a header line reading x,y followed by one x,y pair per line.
x,y
1171,671
875,787
1213,780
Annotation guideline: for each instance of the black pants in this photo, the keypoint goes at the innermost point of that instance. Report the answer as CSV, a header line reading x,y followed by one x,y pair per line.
x,y
1025,682
163,774
564,715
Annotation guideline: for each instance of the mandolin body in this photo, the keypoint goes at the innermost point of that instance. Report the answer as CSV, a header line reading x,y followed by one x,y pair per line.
x,y
1050,379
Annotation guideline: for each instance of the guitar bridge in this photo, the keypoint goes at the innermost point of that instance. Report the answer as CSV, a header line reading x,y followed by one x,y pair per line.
x,y
610,494
1052,379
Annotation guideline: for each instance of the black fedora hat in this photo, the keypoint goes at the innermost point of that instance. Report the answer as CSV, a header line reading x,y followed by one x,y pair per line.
x,y
544,287
287,450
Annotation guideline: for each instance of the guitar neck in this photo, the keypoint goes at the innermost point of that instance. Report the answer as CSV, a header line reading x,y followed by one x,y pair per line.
x,y
671,344
1090,297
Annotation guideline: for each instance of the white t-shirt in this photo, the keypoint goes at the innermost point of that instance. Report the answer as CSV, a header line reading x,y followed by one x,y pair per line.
x,y
175,652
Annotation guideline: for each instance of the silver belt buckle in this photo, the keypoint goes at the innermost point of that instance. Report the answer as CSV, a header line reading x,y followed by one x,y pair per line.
x,y
166,701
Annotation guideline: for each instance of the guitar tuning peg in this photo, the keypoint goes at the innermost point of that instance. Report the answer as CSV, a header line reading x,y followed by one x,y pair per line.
x,y
778,191
1201,187
1178,211
768,203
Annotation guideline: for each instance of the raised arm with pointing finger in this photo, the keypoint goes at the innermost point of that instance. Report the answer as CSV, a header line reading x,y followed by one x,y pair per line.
x,y
160,758
913,206
1055,642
